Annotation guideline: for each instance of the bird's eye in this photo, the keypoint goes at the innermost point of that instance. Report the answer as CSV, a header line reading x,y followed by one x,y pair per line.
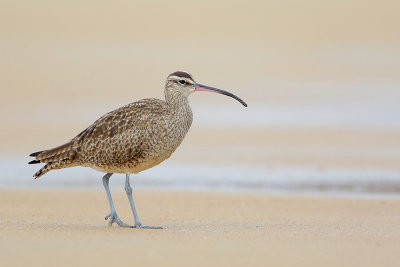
x,y
182,81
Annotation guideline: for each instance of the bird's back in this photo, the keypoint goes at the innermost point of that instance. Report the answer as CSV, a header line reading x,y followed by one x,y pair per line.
x,y
127,140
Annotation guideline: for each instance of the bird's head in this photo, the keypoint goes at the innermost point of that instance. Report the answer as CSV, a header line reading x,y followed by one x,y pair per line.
x,y
183,83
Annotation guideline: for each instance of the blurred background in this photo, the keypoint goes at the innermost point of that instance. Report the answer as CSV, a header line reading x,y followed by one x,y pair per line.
x,y
321,78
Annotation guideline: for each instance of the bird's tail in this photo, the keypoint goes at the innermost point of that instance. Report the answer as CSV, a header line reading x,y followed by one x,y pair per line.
x,y
56,158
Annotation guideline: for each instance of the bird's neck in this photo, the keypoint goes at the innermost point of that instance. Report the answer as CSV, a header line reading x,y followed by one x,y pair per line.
x,y
176,99
179,106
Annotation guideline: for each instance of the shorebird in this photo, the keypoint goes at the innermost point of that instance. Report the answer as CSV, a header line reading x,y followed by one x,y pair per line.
x,y
131,139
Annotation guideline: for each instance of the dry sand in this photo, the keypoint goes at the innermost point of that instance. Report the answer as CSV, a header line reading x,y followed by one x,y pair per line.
x,y
66,228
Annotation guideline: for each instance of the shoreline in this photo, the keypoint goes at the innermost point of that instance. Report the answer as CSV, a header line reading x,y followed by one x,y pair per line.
x,y
270,193
200,177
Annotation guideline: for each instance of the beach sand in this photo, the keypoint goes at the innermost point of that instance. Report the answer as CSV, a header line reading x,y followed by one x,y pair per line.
x,y
321,80
67,228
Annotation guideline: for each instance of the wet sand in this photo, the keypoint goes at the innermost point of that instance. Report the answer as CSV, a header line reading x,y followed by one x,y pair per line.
x,y
64,228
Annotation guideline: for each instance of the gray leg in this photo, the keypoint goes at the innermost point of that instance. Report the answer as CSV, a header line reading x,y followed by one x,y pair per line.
x,y
128,190
113,213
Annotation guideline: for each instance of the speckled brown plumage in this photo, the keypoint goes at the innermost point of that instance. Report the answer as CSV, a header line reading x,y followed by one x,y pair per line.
x,y
132,138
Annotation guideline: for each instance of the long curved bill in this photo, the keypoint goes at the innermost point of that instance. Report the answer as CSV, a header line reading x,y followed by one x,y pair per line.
x,y
201,87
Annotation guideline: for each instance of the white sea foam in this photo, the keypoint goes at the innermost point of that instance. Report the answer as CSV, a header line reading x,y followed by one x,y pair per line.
x,y
17,174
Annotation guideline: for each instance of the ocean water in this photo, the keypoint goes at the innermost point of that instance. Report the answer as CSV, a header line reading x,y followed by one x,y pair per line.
x,y
17,174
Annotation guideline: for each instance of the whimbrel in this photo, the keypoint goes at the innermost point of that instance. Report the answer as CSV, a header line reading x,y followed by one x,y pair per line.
x,y
130,139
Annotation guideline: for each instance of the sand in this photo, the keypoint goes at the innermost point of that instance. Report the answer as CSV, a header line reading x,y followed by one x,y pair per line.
x,y
65,64
67,228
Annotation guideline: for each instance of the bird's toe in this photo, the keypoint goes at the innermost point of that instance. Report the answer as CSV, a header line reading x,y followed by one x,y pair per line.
x,y
142,226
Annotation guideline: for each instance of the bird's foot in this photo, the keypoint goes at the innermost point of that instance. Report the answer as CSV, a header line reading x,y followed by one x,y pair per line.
x,y
142,226
114,218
